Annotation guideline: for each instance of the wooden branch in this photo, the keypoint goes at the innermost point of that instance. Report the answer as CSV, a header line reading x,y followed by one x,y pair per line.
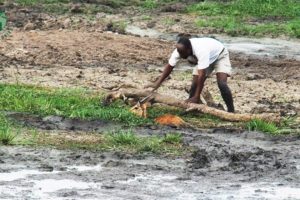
x,y
158,98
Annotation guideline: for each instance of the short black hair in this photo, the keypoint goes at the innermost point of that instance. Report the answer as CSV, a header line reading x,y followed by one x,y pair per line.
x,y
185,42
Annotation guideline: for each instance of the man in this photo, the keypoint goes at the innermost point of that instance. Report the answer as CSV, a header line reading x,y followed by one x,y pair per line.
x,y
208,55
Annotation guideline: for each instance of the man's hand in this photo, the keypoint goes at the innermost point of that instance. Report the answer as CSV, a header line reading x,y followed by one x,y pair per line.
x,y
192,100
168,69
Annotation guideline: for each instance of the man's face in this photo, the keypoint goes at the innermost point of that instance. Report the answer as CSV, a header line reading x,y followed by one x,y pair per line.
x,y
183,51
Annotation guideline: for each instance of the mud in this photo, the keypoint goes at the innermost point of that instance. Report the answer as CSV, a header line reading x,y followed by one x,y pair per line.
x,y
61,123
224,165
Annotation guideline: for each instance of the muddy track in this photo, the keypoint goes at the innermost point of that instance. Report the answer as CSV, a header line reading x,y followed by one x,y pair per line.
x,y
224,164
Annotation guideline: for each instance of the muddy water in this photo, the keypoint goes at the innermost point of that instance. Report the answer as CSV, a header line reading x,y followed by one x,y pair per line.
x,y
226,164
265,47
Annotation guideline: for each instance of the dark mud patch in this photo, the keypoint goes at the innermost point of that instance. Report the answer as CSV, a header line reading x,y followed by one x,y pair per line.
x,y
225,166
249,155
62,123
284,108
256,67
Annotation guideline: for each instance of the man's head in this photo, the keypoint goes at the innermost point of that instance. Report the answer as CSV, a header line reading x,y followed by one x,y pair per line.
x,y
184,47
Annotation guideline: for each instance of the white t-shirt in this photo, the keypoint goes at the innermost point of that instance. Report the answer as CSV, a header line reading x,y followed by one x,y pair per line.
x,y
206,50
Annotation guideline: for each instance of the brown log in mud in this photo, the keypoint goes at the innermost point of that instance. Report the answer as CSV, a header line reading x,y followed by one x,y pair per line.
x,y
164,99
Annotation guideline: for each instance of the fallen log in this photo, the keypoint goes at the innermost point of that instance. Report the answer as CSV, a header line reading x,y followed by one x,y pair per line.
x,y
164,99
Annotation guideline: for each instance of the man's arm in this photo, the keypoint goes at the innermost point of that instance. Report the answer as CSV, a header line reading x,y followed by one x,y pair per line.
x,y
167,71
200,85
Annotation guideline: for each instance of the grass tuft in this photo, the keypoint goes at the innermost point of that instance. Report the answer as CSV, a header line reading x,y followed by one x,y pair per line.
x,y
123,137
126,140
172,138
7,134
259,125
150,4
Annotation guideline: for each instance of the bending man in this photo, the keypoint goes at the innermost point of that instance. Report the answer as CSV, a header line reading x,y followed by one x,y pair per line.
x,y
208,55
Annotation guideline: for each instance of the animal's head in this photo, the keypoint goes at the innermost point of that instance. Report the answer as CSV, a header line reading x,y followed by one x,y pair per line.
x,y
140,109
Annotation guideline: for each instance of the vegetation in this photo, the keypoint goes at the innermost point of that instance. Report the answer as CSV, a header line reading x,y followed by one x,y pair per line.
x,y
80,103
233,17
7,133
256,17
172,138
127,140
117,26
119,140
85,104
2,21
72,103
259,125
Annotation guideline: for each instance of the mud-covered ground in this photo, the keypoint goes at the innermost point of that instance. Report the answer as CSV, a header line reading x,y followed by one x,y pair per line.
x,y
227,164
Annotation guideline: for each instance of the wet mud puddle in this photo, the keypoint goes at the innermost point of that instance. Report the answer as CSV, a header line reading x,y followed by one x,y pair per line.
x,y
105,176
224,165
264,47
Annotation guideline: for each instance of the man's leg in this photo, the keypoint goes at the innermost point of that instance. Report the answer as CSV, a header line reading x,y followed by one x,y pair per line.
x,y
225,91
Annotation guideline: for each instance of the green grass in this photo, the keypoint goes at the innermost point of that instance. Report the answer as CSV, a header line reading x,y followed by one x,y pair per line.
x,y
81,103
126,140
85,104
119,140
259,125
35,2
60,5
7,132
118,26
72,103
255,17
168,21
146,17
2,21
172,138
150,4
123,138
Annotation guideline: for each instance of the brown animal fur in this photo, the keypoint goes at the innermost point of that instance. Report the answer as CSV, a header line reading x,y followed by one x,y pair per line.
x,y
139,109
166,120
170,120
